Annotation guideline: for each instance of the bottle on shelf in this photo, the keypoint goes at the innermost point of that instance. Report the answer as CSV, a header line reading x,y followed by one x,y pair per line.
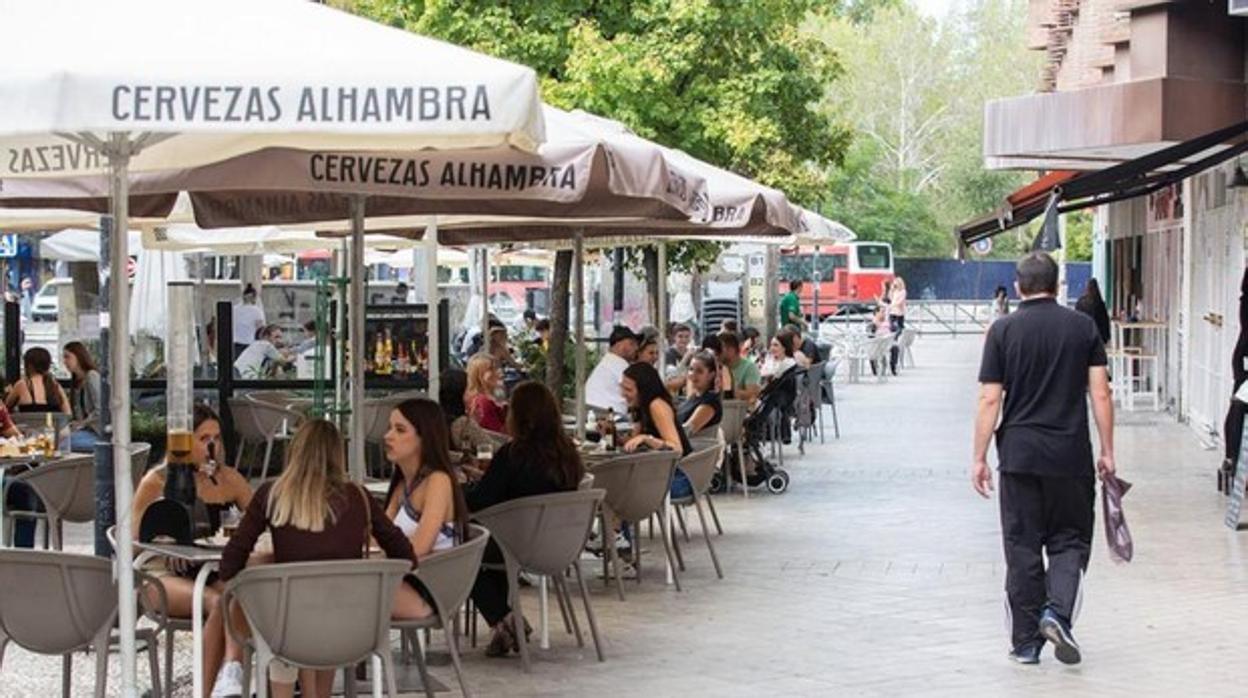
x,y
404,362
381,361
608,429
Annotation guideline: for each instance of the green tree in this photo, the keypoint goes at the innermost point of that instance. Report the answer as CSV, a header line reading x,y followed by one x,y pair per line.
x,y
914,90
736,84
875,208
1078,240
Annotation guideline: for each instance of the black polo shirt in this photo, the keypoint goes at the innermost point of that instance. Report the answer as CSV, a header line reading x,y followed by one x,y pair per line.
x,y
1041,355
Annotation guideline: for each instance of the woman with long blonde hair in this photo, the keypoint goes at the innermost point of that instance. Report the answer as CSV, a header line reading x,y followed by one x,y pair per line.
x,y
315,513
483,381
897,305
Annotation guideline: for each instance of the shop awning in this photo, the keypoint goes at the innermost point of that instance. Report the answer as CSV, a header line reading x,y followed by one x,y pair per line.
x,y
1080,190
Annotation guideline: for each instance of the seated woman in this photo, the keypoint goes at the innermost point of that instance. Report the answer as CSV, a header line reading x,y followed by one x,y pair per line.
x,y
424,499
703,408
465,434
7,428
499,348
654,419
84,397
648,347
483,381
20,496
779,356
315,513
38,391
540,459
219,487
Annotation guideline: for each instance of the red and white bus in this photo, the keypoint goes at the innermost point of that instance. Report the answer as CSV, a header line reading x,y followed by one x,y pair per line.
x,y
850,275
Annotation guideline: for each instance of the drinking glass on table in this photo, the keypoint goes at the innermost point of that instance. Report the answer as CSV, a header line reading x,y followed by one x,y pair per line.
x,y
230,518
485,452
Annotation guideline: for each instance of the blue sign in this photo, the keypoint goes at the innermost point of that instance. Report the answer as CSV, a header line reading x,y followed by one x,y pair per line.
x,y
8,246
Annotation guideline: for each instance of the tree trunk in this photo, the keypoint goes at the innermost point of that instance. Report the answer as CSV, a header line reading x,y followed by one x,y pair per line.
x,y
650,263
559,292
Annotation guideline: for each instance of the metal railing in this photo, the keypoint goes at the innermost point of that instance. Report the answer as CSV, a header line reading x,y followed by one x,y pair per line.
x,y
951,318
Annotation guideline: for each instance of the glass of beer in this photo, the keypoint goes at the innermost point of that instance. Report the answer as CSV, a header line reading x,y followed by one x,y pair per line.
x,y
180,442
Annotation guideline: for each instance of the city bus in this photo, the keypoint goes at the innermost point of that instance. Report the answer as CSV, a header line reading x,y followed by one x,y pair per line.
x,y
850,275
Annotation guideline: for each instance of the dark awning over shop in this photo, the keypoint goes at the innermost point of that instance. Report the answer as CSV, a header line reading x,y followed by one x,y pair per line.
x,y
1138,177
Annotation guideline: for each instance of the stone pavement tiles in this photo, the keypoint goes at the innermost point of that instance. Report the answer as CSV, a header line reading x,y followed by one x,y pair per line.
x,y
879,574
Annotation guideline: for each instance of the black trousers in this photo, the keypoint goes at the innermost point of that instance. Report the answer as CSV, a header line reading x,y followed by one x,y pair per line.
x,y
1233,428
1042,516
489,592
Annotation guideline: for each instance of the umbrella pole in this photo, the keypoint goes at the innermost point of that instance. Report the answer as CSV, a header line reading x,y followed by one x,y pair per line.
x,y
338,333
661,308
578,296
118,152
485,297
359,344
434,337
818,279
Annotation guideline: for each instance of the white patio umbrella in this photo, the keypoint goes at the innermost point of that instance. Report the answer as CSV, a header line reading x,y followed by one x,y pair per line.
x,y
153,270
212,80
818,231
255,240
734,208
17,220
78,245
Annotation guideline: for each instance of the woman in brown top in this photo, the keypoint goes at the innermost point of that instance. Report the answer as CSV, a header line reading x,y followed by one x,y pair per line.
x,y
314,513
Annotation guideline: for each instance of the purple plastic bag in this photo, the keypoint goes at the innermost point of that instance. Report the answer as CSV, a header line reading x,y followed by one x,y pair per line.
x,y
1116,532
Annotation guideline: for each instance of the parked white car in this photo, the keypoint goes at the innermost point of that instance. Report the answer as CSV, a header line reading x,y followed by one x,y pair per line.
x,y
45,305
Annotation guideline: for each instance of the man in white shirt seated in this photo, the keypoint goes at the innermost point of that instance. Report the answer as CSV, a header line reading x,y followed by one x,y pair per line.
x,y
248,320
262,355
603,387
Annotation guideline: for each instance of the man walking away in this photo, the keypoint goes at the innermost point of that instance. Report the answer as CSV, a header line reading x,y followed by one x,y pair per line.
x,y
1040,362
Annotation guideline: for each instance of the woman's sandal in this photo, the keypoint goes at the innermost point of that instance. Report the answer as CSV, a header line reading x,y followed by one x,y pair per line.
x,y
502,641
510,624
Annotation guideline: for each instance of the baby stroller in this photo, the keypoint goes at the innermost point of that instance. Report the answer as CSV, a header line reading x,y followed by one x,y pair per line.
x,y
763,425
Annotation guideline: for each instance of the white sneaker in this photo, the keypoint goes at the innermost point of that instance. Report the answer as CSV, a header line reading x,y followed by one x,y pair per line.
x,y
229,683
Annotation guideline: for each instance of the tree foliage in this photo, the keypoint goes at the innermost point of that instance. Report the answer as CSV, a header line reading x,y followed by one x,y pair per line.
x,y
914,91
1078,240
737,84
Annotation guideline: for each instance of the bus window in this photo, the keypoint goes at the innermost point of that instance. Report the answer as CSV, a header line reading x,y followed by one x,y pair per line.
x,y
795,267
874,257
522,273
801,266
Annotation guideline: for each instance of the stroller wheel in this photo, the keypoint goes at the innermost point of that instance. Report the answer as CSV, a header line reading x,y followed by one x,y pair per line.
x,y
778,482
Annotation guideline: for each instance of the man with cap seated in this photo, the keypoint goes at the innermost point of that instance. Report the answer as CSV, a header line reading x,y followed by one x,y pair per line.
x,y
603,387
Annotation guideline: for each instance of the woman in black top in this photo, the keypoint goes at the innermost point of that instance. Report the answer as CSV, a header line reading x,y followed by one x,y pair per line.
x,y
1233,427
1092,304
38,391
654,416
654,419
703,408
540,459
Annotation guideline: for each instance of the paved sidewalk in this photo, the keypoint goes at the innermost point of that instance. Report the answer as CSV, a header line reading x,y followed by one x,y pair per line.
x,y
879,574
